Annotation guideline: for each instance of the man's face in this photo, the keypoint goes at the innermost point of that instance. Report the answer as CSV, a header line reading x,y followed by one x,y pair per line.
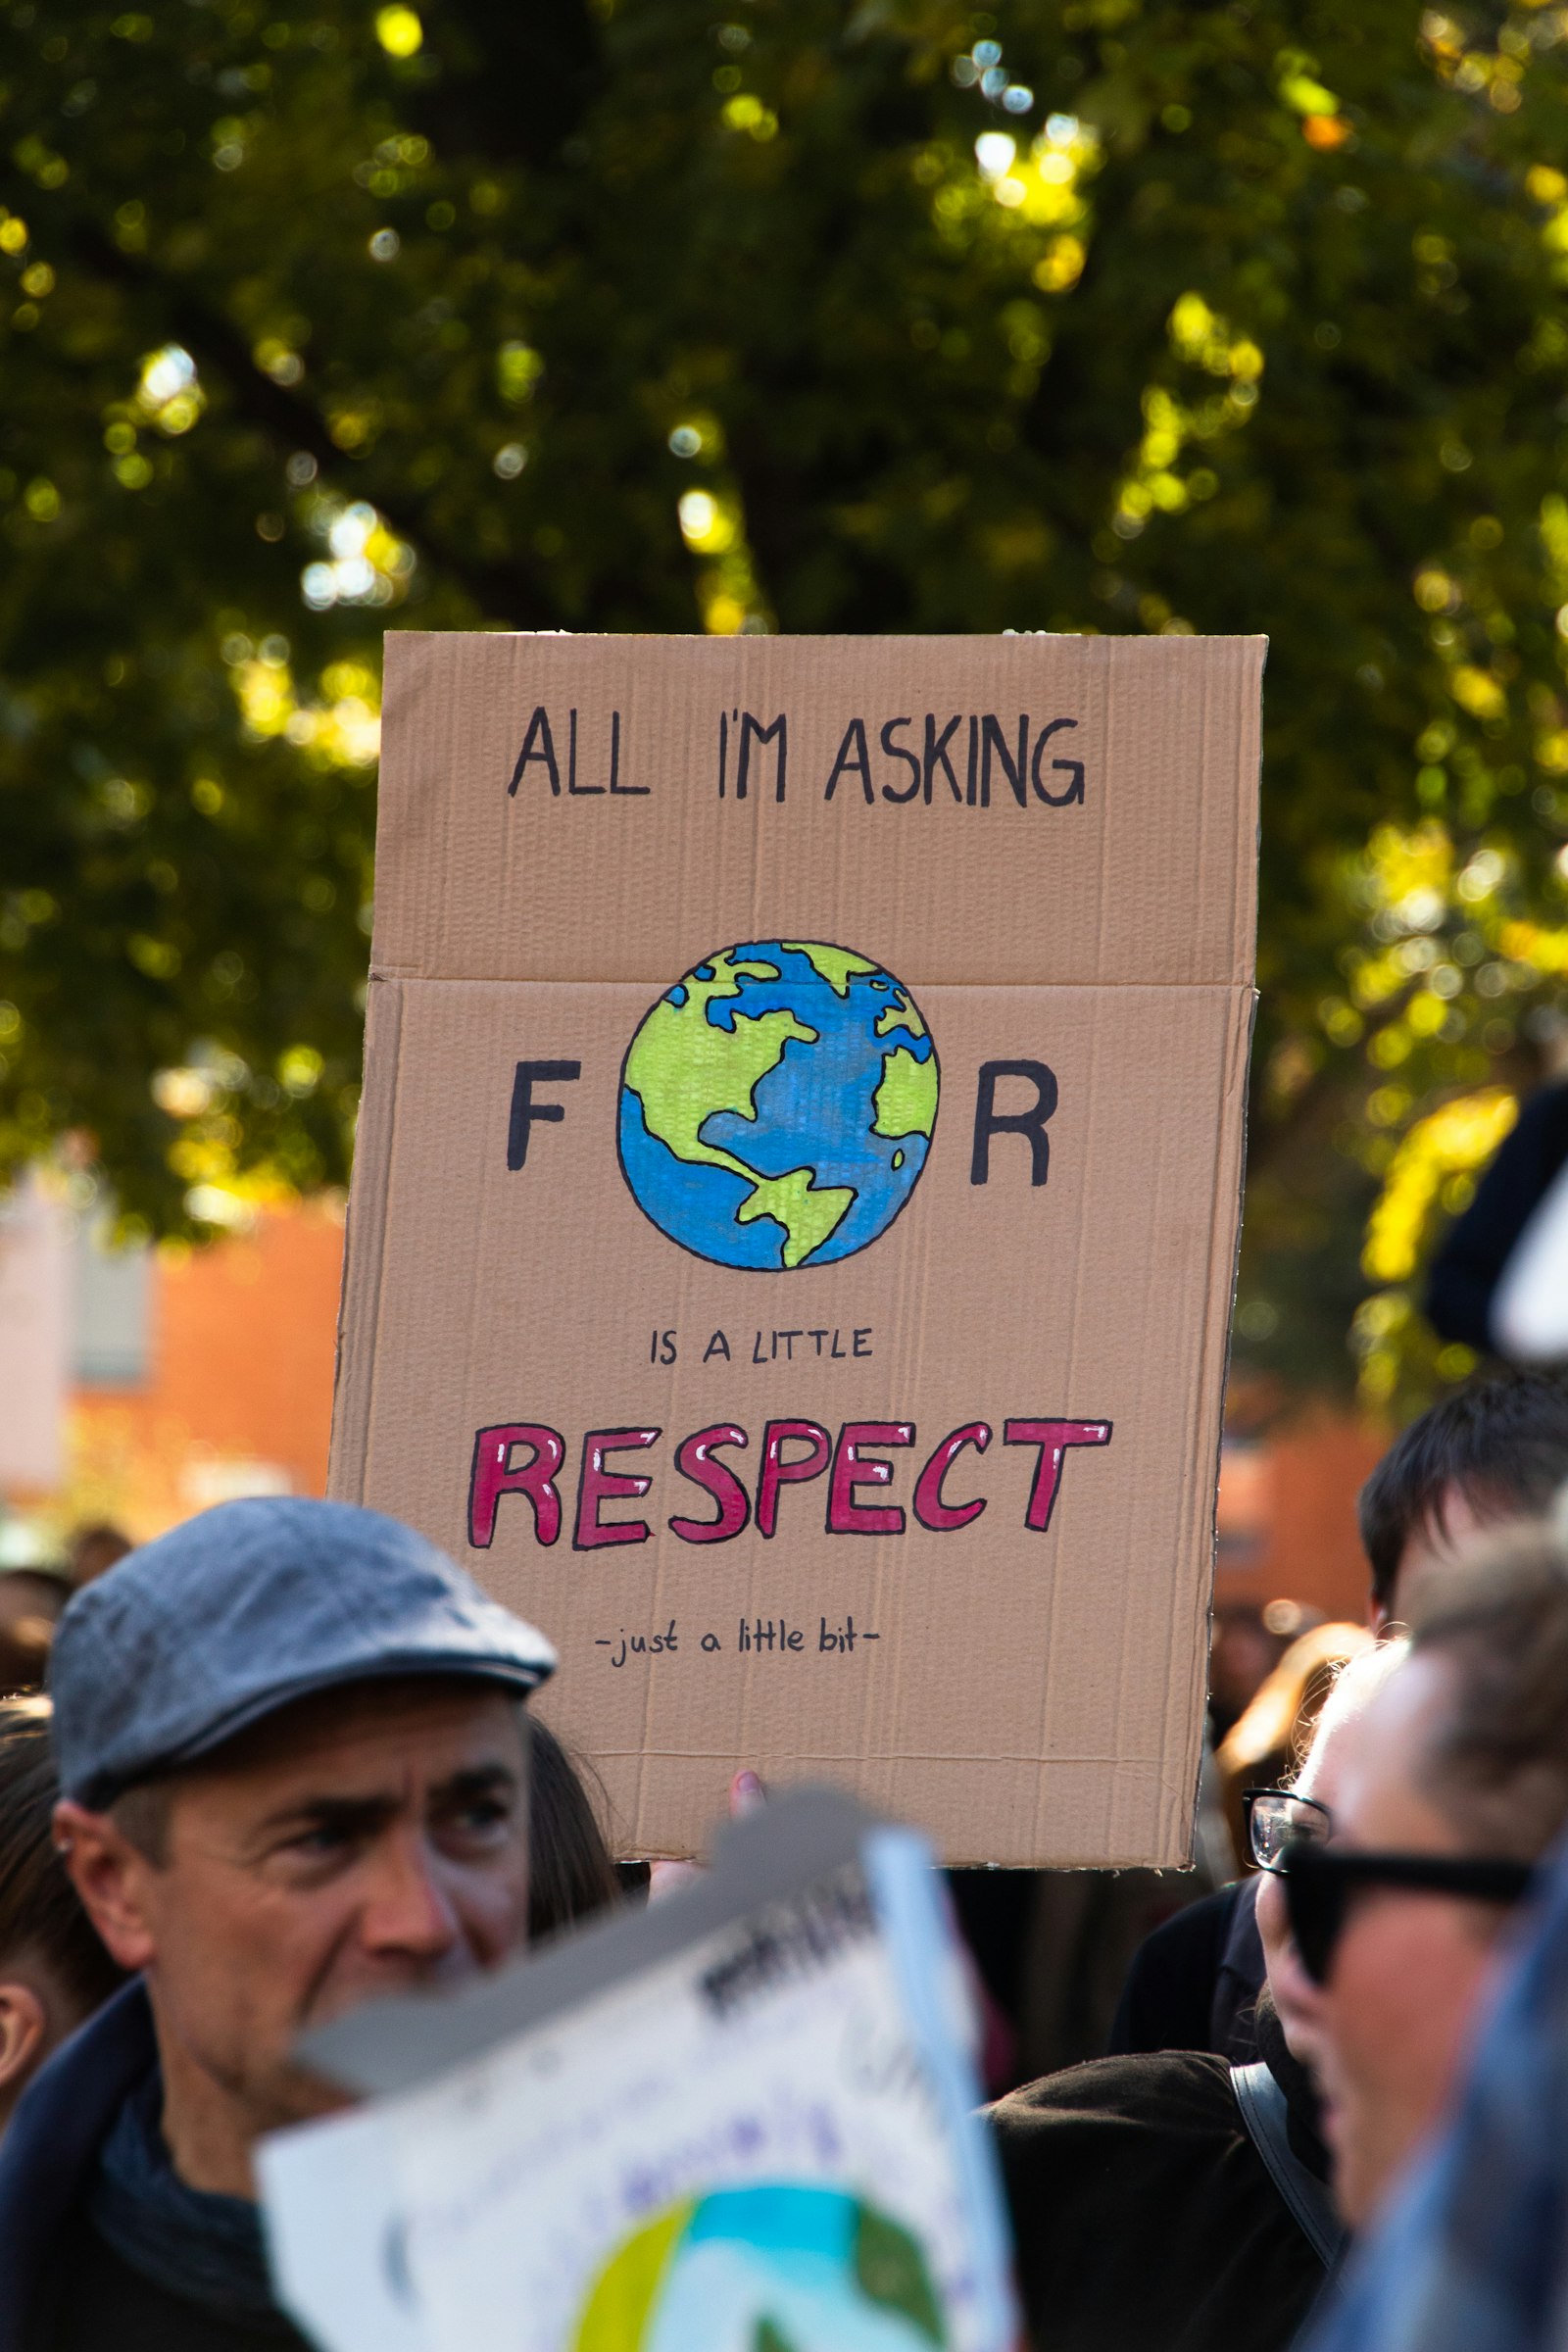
x,y
1435,1543
367,1843
1385,2037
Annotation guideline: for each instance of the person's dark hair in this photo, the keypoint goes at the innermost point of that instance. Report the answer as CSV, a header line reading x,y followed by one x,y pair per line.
x,y
40,1916
31,1603
570,1872
1501,1440
92,1551
1499,1766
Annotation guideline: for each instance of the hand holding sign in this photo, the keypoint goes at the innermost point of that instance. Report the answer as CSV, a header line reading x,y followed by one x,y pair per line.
x,y
746,1794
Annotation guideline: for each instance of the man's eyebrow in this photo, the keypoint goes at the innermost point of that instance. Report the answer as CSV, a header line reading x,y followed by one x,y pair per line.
x,y
478,1780
360,1814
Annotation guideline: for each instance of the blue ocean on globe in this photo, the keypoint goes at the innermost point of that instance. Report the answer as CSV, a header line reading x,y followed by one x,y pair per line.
x,y
777,1105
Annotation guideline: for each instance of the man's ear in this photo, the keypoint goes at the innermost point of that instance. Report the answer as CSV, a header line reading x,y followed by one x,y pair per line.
x,y
110,1876
24,2033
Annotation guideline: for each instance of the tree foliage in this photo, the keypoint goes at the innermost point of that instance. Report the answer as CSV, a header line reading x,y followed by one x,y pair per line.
x,y
1113,314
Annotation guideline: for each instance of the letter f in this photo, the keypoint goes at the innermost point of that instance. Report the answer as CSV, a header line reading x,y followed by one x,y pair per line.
x,y
525,1111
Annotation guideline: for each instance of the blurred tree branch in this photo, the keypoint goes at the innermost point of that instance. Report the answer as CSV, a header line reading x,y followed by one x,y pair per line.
x,y
503,592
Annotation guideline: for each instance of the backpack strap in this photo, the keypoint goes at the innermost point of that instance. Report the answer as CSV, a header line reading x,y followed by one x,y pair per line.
x,y
1264,2114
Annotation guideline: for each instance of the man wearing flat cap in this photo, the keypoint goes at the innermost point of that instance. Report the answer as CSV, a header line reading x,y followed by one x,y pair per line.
x,y
294,1778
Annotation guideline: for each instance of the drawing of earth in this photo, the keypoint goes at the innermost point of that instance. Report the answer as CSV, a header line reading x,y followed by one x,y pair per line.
x,y
777,2268
777,1105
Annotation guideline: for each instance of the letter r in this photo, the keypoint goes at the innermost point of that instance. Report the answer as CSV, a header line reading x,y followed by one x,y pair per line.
x,y
1030,1123
494,1475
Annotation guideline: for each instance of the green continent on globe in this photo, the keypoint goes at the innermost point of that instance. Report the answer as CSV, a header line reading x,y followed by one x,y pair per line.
x,y
809,1211
683,1070
899,1014
906,1096
837,965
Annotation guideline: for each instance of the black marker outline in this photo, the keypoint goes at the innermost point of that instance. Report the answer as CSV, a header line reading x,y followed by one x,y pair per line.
x,y
551,1475
809,1262
1059,1421
708,1530
645,1438
894,1446
795,1425
965,1434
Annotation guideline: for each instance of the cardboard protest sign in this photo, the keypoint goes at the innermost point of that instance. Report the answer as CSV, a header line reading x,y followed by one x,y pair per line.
x,y
745,2116
793,1218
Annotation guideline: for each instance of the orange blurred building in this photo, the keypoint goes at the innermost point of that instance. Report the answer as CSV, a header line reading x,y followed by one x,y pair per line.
x,y
218,1381
1287,1514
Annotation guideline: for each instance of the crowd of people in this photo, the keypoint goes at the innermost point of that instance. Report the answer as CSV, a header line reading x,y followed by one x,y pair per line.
x,y
285,1765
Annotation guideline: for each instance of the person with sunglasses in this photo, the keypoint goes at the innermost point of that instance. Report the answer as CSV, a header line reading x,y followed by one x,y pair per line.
x,y
1455,1786
1213,2173
1471,2254
1284,1823
1489,1454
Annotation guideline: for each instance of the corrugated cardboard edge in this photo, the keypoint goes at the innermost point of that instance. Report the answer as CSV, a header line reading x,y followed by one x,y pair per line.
x,y
364,1245
1238,1077
412,661
1252,659
1253,652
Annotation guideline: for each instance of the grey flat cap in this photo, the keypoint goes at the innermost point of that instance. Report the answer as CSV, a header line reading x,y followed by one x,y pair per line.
x,y
195,1637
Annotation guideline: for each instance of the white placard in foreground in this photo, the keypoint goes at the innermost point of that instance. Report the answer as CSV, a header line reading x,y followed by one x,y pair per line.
x,y
751,2130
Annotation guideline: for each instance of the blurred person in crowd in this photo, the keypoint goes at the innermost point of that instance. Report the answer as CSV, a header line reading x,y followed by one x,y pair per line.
x,y
571,1874
1171,2198
294,1764
1243,1653
93,1548
1193,1983
54,1972
1271,1737
993,1911
1493,1451
31,1603
1456,1784
1471,2253
1083,1929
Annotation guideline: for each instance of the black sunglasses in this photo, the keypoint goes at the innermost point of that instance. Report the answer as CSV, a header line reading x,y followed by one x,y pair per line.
x,y
1319,1883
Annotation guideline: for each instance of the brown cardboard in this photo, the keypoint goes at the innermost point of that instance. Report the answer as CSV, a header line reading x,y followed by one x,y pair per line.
x,y
1029,1693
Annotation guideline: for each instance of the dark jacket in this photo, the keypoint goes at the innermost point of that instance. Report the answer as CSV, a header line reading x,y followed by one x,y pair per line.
x,y
62,2287
1143,2214
1194,1983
